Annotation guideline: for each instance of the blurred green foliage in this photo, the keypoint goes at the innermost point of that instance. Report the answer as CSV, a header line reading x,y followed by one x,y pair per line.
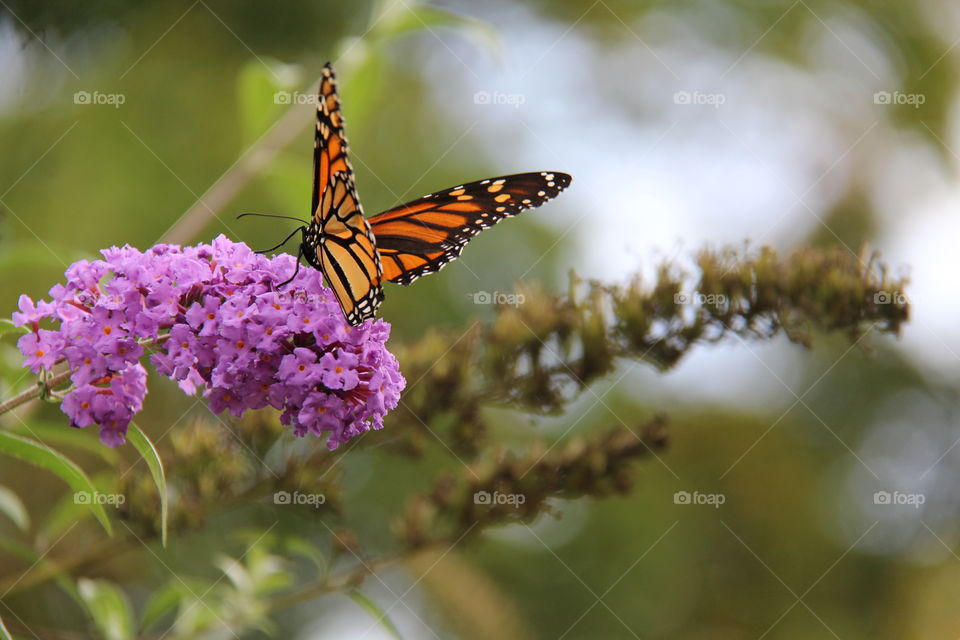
x,y
791,553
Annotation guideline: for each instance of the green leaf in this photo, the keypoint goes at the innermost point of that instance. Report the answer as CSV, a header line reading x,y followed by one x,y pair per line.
x,y
139,439
43,456
11,505
235,571
163,601
57,434
4,633
376,612
7,326
68,511
109,608
306,549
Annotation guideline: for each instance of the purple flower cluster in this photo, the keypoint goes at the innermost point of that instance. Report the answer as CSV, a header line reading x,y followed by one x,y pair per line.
x,y
217,322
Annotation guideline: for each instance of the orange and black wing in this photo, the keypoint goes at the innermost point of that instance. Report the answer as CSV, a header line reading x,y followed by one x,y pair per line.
x,y
422,236
344,245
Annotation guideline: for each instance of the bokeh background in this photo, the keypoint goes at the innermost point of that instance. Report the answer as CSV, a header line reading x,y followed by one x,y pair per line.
x,y
684,124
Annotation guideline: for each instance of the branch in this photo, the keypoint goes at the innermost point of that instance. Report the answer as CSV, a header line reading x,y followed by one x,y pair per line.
x,y
35,392
503,487
444,517
54,381
541,354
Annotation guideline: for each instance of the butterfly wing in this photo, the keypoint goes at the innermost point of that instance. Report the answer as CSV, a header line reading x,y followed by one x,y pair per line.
x,y
343,245
422,236
347,253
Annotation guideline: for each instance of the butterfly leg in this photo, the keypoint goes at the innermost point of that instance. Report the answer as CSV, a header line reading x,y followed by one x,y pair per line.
x,y
299,255
285,241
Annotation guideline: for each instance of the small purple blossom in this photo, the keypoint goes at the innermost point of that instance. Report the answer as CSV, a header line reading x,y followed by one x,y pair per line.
x,y
216,323
41,348
340,370
31,313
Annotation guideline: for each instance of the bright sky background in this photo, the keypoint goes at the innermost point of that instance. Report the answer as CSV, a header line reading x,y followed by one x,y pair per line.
x,y
655,178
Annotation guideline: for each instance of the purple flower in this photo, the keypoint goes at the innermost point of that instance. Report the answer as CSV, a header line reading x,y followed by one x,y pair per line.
x,y
111,406
31,313
80,405
41,349
340,370
300,368
222,328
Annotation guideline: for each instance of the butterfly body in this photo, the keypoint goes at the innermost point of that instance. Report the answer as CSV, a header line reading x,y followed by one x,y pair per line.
x,y
357,254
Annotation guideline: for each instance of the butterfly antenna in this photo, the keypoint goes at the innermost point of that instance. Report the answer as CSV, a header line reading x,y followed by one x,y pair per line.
x,y
285,241
272,215
288,281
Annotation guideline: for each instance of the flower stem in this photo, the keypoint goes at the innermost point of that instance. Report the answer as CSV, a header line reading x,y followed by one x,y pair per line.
x,y
53,382
34,391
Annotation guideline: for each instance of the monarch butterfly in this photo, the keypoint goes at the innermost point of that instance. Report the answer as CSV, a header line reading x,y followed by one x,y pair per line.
x,y
399,245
